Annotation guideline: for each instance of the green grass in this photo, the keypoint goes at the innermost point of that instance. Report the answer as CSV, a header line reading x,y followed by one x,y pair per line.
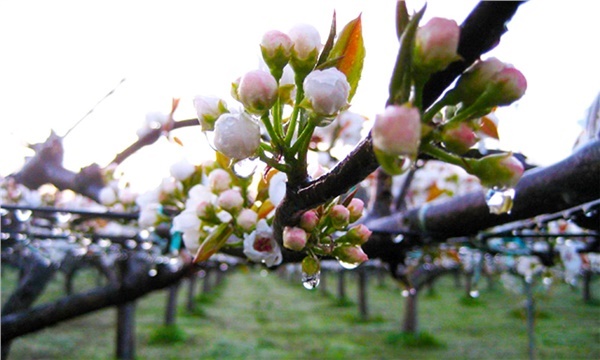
x,y
253,316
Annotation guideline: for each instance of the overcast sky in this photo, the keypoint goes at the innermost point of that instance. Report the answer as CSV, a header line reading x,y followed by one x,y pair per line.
x,y
61,57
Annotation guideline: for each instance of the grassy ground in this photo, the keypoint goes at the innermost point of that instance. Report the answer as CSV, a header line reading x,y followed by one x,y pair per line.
x,y
257,315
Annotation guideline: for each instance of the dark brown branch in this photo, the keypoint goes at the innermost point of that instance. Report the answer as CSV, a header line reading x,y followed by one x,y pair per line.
x,y
46,167
568,183
150,138
136,283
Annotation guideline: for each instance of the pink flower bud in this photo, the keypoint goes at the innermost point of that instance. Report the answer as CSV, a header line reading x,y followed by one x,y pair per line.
x,y
498,170
237,136
356,208
247,218
459,138
306,40
257,91
350,254
397,131
501,83
204,209
436,45
219,180
340,216
309,220
474,81
509,85
326,91
275,41
358,234
294,238
276,50
230,200
208,110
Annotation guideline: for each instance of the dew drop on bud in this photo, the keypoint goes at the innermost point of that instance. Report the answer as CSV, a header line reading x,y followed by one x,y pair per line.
x,y
246,167
311,281
210,139
500,201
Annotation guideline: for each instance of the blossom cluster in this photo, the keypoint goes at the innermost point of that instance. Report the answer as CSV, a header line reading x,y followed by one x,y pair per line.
x,y
449,127
281,105
330,231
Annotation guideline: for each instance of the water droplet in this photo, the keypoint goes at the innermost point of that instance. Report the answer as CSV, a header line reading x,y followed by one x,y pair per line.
x,y
349,266
311,281
500,201
246,167
152,272
474,294
398,239
23,215
210,139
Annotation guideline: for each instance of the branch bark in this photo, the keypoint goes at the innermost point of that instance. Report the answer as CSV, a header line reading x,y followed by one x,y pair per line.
x,y
566,184
136,283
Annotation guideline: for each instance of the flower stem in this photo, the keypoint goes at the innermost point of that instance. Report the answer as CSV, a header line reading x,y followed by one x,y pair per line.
x,y
275,139
262,154
294,118
440,154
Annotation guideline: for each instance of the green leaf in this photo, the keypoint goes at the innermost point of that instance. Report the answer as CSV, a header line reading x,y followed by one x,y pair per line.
x,y
401,81
213,242
402,18
328,44
391,164
350,50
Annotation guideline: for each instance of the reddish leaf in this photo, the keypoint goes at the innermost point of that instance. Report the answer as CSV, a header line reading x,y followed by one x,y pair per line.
x,y
350,50
489,128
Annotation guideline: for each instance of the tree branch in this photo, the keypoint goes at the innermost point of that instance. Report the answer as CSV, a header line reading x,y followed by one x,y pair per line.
x,y
136,283
566,184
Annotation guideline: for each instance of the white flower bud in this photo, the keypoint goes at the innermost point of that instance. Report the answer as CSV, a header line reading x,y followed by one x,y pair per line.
x,y
326,91
182,170
237,136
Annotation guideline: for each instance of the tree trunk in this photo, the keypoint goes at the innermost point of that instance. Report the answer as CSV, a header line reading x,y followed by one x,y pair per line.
x,y
126,331
362,293
341,285
171,313
410,324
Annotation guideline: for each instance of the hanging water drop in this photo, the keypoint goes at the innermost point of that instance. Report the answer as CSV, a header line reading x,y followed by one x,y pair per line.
x,y
500,201
210,139
348,266
398,238
246,167
311,281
